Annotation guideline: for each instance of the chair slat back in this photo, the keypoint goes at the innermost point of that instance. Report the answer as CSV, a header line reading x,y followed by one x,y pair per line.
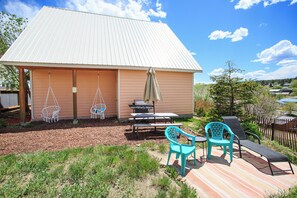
x,y
234,124
171,134
216,130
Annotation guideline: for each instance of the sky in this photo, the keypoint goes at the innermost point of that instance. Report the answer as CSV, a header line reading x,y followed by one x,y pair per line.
x,y
259,36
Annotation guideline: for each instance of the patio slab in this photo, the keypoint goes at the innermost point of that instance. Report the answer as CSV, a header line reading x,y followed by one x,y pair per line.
x,y
249,176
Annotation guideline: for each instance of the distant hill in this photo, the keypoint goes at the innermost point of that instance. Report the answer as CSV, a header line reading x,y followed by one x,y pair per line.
x,y
280,82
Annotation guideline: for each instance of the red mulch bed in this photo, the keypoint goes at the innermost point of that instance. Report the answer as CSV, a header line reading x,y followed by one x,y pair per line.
x,y
39,136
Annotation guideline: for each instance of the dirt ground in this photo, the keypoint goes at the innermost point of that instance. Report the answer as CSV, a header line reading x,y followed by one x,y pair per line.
x,y
38,136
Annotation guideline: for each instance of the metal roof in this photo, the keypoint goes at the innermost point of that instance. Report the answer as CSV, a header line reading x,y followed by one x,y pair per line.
x,y
63,38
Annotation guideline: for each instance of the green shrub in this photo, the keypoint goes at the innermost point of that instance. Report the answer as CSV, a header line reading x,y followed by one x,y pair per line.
x,y
163,183
2,123
252,128
187,191
171,172
291,193
162,148
200,112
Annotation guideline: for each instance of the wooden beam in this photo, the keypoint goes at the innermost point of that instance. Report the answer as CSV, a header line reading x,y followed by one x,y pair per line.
x,y
22,94
74,95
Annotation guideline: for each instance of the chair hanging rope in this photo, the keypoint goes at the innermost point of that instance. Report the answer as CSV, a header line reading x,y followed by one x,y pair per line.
x,y
98,107
50,113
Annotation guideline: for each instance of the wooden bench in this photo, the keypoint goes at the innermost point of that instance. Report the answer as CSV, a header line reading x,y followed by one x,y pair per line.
x,y
135,120
136,126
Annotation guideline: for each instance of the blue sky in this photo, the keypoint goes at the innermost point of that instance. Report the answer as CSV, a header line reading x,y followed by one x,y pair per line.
x,y
259,36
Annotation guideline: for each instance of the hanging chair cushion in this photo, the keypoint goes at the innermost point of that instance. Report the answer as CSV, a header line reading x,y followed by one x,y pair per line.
x,y
50,111
98,109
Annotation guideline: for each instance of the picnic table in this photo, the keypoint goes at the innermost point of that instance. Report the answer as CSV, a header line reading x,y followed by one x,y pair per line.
x,y
139,117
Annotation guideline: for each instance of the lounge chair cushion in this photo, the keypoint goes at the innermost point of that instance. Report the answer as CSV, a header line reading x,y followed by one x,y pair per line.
x,y
271,155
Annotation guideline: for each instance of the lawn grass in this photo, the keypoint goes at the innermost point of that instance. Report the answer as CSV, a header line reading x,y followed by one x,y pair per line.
x,y
195,124
101,171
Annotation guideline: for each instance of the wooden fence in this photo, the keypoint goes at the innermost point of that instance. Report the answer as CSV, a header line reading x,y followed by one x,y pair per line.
x,y
9,98
283,131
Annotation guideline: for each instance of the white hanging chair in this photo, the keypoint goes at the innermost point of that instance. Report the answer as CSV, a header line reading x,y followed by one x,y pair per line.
x,y
98,108
50,113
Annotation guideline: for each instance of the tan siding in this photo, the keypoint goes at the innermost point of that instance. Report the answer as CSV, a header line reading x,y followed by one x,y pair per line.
x,y
61,83
87,83
176,89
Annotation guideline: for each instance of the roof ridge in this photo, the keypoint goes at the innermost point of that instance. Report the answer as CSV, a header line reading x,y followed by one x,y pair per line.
x,y
105,15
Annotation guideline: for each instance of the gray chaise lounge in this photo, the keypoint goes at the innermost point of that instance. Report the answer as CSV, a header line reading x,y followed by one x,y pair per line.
x,y
240,138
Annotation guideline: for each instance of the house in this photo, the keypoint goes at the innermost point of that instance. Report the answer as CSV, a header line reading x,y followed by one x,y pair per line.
x,y
73,48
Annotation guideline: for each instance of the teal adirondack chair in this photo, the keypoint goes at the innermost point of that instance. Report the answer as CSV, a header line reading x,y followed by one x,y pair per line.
x,y
183,150
217,130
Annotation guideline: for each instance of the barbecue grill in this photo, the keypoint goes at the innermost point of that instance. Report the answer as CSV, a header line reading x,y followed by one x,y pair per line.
x,y
139,106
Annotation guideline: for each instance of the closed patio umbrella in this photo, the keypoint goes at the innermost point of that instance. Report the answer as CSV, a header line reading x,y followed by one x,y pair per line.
x,y
152,89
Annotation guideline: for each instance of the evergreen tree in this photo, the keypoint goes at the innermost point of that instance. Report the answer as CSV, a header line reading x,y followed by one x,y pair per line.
x,y
230,93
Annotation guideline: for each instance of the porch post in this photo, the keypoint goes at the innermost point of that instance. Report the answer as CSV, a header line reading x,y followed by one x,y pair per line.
x,y
74,96
22,95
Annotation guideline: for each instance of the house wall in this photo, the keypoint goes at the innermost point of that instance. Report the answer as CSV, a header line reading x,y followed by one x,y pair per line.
x,y
176,89
61,82
87,84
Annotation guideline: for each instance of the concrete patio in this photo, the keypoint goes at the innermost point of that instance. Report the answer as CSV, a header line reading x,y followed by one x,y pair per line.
x,y
246,177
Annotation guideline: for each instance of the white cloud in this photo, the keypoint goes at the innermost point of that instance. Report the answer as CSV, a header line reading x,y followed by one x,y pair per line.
x,y
21,9
140,9
253,75
219,34
237,35
281,51
246,4
271,2
288,69
267,68
216,72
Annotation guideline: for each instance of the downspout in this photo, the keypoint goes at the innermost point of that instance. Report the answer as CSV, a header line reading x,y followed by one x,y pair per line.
x,y
119,95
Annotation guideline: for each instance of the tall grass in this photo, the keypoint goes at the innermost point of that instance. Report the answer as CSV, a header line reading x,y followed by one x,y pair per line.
x,y
89,172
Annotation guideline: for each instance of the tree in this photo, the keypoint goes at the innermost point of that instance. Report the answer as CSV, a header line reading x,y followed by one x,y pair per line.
x,y
290,107
264,105
201,91
230,93
294,87
11,27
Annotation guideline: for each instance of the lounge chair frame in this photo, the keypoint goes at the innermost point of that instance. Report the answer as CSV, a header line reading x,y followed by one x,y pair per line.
x,y
240,138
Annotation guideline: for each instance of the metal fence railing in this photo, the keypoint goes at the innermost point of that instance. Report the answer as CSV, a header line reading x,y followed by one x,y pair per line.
x,y
283,131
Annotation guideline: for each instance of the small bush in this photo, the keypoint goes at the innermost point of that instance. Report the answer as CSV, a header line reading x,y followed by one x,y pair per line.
x,y
163,183
187,191
171,172
2,123
161,194
252,128
162,148
291,193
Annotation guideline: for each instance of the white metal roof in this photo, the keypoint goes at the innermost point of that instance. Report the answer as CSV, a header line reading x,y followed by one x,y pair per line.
x,y
64,38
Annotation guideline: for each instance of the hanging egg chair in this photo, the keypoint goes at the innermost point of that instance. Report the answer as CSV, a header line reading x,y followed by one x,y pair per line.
x,y
50,113
98,108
